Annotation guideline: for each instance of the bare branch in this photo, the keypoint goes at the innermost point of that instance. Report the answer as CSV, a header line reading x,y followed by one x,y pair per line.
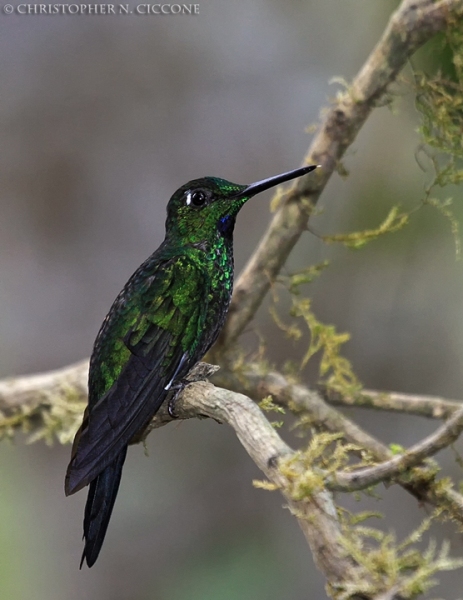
x,y
414,22
412,404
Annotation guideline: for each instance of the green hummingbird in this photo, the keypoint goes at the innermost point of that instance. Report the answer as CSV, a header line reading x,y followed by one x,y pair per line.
x,y
165,319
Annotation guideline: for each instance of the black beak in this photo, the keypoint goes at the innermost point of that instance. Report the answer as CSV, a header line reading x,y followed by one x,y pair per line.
x,y
265,184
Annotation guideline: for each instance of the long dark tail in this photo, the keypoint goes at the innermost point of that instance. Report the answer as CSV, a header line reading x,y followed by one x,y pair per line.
x,y
100,502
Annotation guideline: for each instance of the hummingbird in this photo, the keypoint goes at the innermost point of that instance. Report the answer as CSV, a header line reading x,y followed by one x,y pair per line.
x,y
161,324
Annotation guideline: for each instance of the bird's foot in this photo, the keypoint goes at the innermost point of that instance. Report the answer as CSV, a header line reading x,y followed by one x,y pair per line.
x,y
178,387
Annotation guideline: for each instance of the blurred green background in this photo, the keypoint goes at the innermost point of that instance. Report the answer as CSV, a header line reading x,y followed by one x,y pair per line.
x,y
102,118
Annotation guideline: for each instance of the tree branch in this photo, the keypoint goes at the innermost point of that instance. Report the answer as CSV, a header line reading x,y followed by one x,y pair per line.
x,y
298,398
38,390
317,515
413,23
35,396
363,478
54,401
412,404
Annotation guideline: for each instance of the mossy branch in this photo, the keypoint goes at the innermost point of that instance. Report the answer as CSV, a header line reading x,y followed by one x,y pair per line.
x,y
305,486
413,23
399,464
49,404
259,383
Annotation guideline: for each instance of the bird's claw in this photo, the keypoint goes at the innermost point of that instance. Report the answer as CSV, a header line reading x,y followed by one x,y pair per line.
x,y
176,388
199,372
171,409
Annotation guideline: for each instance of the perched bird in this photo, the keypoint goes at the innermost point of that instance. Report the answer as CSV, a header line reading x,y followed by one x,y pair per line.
x,y
161,324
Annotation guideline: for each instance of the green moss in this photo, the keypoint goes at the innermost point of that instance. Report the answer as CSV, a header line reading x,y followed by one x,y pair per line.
x,y
335,370
439,101
394,221
385,563
56,416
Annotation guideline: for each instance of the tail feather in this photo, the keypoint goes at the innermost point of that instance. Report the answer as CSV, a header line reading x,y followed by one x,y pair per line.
x,y
100,502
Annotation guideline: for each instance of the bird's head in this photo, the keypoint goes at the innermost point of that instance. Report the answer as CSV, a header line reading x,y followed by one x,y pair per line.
x,y
207,206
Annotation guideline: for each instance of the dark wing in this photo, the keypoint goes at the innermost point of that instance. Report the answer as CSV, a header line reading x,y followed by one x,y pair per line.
x,y
151,336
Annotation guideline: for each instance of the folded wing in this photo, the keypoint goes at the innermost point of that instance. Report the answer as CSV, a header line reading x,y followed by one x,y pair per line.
x,y
150,339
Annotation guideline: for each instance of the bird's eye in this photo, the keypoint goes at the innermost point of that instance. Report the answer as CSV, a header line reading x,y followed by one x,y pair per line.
x,y
197,198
